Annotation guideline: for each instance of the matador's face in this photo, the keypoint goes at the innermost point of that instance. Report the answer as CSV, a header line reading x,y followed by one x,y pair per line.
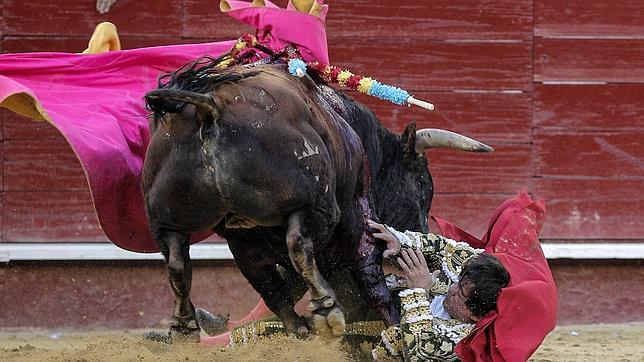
x,y
454,303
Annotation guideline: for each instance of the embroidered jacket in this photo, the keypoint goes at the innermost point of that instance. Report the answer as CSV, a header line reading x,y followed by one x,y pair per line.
x,y
421,336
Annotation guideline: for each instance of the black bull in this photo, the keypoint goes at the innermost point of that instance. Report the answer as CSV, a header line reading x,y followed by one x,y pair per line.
x,y
277,165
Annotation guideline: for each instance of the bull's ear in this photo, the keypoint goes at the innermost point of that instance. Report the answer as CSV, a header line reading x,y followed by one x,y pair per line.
x,y
408,139
173,101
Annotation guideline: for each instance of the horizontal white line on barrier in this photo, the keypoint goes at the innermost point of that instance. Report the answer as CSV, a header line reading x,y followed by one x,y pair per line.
x,y
99,251
593,250
205,251
573,82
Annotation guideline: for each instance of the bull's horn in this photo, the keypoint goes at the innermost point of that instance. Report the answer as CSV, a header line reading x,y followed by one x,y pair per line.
x,y
157,97
431,138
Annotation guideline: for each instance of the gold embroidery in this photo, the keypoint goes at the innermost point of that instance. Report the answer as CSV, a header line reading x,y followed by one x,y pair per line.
x,y
365,328
440,287
251,332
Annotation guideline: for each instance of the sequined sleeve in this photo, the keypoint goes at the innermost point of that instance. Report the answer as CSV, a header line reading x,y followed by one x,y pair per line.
x,y
420,336
428,243
449,255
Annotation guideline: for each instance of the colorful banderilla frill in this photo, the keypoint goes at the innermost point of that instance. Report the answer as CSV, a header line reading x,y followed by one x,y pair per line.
x,y
248,50
332,74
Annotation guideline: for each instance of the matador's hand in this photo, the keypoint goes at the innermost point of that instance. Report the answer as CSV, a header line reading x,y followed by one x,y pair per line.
x,y
416,271
393,244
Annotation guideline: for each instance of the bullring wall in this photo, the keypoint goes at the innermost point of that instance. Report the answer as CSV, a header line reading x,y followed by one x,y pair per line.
x,y
556,87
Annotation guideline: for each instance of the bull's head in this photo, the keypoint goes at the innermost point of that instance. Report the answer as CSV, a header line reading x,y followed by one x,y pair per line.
x,y
405,188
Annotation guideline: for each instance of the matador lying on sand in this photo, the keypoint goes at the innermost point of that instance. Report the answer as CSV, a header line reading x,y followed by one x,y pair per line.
x,y
491,299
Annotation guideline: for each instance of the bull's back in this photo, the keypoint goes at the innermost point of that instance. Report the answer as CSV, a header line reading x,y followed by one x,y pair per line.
x,y
290,136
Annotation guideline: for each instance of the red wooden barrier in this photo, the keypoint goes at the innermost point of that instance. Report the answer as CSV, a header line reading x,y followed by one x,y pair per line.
x,y
594,60
505,170
489,116
469,211
483,63
592,209
617,18
618,155
611,107
438,20
49,216
578,145
438,65
202,19
46,165
16,127
78,18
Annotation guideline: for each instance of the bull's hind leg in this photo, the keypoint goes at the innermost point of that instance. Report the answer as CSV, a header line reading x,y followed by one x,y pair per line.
x,y
260,270
327,316
175,248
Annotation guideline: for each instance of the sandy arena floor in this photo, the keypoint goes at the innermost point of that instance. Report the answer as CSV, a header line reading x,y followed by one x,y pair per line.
x,y
608,342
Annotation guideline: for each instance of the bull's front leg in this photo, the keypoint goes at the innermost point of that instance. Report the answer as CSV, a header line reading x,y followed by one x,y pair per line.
x,y
175,248
328,319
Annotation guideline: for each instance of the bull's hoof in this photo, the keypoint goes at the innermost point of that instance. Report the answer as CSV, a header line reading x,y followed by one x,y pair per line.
x,y
173,336
183,335
211,324
184,331
297,328
156,336
328,319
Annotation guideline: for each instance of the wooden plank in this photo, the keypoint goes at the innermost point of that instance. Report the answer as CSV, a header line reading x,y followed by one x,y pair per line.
x,y
618,155
49,216
16,126
508,169
614,107
38,165
441,19
416,19
438,65
1,216
78,44
2,172
24,44
592,209
113,295
471,212
619,18
593,60
134,42
202,19
599,292
73,17
610,293
487,116
2,5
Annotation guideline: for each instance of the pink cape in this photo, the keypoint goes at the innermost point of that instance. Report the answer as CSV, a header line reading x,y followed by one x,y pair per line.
x,y
286,27
527,308
96,102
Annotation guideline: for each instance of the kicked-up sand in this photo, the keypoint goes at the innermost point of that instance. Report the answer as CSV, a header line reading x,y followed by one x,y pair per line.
x,y
598,342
